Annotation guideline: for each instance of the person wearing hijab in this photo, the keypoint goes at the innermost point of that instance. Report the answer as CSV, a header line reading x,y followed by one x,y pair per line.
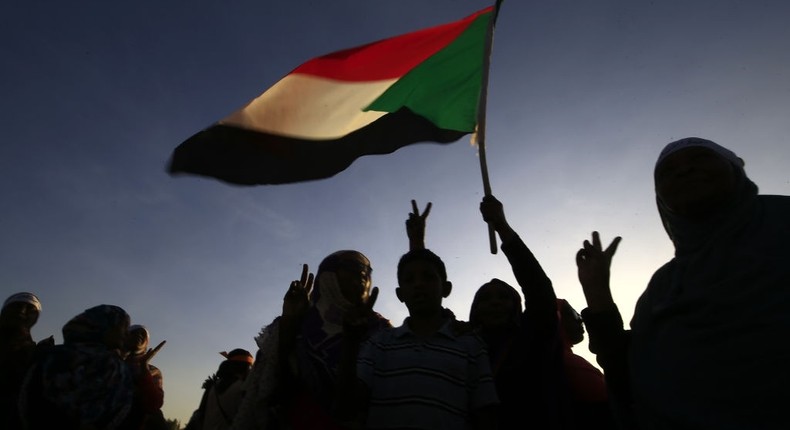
x,y
223,392
706,344
138,356
523,341
524,344
292,384
19,314
85,383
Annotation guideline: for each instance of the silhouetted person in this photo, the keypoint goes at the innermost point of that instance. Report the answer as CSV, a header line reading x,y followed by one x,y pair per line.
x,y
223,392
588,395
706,344
292,384
423,374
525,347
19,314
138,357
84,383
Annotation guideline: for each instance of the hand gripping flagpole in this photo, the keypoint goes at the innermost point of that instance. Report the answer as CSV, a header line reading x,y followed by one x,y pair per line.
x,y
481,117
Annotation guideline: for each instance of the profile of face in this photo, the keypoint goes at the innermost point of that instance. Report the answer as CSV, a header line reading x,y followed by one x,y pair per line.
x,y
496,306
137,340
695,181
421,287
353,274
571,323
19,314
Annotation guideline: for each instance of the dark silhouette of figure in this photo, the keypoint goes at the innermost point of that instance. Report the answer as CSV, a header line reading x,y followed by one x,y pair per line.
x,y
424,374
223,392
19,314
588,396
139,357
85,383
705,347
293,381
526,347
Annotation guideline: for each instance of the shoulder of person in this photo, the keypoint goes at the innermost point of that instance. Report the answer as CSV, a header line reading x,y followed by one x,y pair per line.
x,y
267,333
379,321
773,204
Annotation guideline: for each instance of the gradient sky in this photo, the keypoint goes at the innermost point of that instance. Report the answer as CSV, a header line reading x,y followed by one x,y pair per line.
x,y
582,97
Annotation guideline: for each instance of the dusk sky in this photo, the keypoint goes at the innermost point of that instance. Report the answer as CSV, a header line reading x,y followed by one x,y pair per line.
x,y
95,95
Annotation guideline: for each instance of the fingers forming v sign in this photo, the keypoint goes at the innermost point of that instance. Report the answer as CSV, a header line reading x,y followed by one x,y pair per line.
x,y
416,222
415,211
592,256
295,302
594,264
415,225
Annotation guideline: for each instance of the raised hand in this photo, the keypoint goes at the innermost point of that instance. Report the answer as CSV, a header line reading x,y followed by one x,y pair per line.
x,y
494,214
415,226
149,355
593,263
356,319
296,300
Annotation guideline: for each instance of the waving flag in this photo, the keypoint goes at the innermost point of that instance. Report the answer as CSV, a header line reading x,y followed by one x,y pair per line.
x,y
373,99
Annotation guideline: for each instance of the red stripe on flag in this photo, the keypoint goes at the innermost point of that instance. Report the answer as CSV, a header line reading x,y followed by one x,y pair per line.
x,y
388,58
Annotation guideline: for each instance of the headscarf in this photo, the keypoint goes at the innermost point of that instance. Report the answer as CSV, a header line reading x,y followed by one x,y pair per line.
x,y
317,352
12,324
689,142
142,347
24,297
83,378
238,354
235,367
322,331
687,235
325,318
496,283
706,345
91,326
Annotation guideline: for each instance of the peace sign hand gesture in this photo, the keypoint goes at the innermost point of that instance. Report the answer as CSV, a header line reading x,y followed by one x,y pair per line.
x,y
594,264
296,300
415,226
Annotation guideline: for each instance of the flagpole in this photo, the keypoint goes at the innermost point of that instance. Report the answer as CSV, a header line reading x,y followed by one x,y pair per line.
x,y
481,118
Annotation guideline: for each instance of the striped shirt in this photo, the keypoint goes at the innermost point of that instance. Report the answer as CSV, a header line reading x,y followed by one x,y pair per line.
x,y
425,383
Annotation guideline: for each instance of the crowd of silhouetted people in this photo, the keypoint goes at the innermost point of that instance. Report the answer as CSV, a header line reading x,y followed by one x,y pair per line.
x,y
705,348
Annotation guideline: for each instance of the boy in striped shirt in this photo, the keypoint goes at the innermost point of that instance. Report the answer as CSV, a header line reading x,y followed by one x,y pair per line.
x,y
429,373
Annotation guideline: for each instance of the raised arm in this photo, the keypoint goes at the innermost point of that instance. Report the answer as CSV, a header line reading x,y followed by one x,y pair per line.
x,y
295,305
540,299
593,263
609,341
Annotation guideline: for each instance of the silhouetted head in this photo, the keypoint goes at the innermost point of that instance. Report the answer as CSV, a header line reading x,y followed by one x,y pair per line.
x,y
137,340
344,276
695,177
699,185
422,282
571,323
237,366
21,309
100,325
496,306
